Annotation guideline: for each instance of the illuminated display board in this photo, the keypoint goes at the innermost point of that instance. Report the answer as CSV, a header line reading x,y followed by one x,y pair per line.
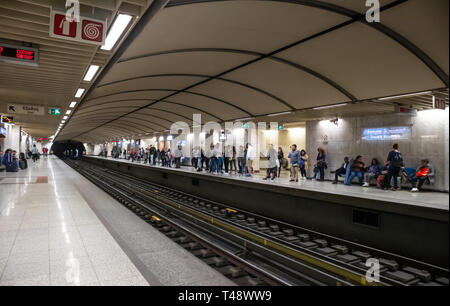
x,y
19,55
388,133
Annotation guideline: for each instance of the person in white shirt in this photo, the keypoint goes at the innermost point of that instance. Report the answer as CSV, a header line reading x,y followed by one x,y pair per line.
x,y
249,159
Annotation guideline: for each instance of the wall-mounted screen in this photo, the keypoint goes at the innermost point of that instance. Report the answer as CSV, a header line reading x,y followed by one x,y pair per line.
x,y
387,133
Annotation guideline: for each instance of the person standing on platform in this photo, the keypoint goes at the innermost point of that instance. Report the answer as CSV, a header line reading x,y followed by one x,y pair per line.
x,y
321,165
178,155
294,157
280,160
272,163
34,153
249,159
241,160
395,160
303,163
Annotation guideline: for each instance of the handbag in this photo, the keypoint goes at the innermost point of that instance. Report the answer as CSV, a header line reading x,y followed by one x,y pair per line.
x,y
278,163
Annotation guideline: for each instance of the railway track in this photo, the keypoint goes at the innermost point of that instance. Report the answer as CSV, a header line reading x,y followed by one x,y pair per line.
x,y
252,249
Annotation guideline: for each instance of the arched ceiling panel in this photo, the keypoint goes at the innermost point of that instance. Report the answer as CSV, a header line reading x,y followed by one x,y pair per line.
x,y
298,88
220,109
206,63
252,25
124,105
365,62
163,112
130,96
430,29
187,111
248,99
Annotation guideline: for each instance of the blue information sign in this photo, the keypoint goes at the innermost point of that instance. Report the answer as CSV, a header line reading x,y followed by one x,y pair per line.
x,y
389,133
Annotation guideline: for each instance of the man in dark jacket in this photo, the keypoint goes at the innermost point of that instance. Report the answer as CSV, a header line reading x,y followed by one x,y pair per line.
x,y
341,171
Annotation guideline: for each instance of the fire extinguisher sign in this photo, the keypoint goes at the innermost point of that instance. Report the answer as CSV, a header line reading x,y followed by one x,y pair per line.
x,y
86,30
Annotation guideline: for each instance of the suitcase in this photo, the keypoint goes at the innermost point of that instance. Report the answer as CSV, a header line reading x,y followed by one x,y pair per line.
x,y
23,164
11,167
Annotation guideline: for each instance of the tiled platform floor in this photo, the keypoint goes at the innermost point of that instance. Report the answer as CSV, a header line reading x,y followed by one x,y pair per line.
x,y
68,232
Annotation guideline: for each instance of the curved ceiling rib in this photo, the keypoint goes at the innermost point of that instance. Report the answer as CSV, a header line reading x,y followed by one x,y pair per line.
x,y
175,92
355,16
278,59
88,119
262,91
181,104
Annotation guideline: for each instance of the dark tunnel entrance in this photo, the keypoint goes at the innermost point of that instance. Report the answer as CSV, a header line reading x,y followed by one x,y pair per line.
x,y
69,148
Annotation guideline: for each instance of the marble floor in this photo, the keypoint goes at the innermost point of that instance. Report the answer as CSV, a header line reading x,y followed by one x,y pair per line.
x,y
57,228
435,200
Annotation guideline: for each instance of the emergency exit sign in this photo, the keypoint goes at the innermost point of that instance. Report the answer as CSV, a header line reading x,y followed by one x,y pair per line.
x,y
54,111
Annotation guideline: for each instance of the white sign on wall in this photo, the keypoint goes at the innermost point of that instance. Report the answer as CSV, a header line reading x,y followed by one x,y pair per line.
x,y
14,108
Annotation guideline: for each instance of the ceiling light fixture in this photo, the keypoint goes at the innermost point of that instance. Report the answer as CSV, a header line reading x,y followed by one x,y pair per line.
x,y
279,114
330,106
80,92
65,117
118,27
406,95
68,112
72,104
90,74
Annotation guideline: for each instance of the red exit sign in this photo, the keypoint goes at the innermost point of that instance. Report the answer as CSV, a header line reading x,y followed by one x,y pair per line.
x,y
18,55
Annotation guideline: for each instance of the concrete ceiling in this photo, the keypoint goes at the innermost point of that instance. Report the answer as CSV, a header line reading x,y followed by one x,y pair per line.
x,y
249,58
62,63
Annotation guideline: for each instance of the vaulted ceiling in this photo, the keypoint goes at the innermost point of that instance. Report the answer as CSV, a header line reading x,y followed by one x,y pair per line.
x,y
250,58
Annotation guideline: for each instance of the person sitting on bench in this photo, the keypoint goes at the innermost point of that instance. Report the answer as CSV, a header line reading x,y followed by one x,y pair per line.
x,y
356,169
341,171
422,175
372,171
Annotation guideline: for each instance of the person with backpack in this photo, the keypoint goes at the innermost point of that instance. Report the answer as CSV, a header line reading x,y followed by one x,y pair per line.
x,y
395,160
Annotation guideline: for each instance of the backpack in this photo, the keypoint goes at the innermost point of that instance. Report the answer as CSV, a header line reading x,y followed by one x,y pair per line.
x,y
397,160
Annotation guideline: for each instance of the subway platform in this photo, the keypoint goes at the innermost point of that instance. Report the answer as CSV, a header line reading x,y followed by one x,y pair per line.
x,y
426,199
57,228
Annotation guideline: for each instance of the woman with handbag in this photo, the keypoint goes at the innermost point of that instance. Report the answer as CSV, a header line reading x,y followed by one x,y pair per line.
x,y
321,165
303,163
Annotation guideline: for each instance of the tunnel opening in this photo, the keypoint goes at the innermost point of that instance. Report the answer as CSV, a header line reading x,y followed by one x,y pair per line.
x,y
68,149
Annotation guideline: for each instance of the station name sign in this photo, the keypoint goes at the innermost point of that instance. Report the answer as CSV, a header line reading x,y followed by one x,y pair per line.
x,y
19,55
26,109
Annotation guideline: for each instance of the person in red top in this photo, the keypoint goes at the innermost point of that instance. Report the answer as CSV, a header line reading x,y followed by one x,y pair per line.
x,y
421,176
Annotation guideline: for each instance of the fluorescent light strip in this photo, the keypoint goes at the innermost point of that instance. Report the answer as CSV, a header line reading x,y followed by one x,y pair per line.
x,y
80,92
117,29
404,96
90,74
279,114
65,117
72,105
330,106
244,119
68,112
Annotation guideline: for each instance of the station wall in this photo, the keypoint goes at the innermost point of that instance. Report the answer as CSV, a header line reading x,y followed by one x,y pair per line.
x,y
429,139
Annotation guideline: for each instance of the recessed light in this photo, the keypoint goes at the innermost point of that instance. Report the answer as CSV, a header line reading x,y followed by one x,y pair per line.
x,y
90,74
72,104
118,27
80,92
330,106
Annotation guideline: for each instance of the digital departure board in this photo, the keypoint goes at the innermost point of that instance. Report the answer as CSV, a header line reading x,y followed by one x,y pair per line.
x,y
19,55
